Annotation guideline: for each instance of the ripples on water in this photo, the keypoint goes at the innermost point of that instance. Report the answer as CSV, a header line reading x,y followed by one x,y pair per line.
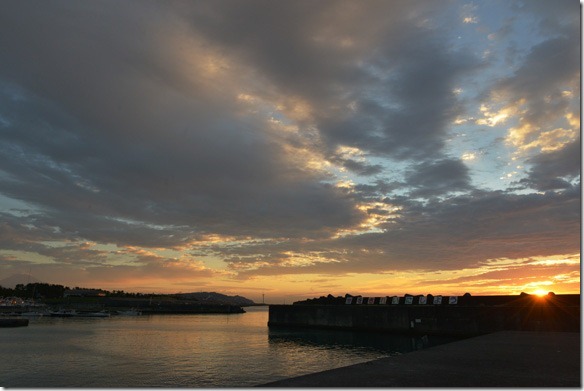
x,y
179,351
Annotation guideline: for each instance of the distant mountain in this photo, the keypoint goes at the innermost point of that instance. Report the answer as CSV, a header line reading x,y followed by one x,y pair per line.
x,y
216,298
15,279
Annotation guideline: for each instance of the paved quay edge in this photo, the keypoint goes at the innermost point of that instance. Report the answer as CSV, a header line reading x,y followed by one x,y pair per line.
x,y
501,359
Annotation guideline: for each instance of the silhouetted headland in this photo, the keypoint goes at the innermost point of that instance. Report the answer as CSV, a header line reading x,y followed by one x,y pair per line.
x,y
40,298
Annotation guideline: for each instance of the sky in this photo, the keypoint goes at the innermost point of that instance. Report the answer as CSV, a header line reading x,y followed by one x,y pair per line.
x,y
292,149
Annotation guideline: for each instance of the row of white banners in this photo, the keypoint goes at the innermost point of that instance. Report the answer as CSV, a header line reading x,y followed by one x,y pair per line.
x,y
407,300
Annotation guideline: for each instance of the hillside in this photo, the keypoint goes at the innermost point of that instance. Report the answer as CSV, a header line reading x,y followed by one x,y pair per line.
x,y
216,298
202,297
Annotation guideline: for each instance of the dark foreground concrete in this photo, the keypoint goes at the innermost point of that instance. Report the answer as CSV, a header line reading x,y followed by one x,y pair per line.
x,y
502,359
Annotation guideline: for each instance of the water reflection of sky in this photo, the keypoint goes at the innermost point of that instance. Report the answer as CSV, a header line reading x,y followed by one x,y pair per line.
x,y
180,351
384,344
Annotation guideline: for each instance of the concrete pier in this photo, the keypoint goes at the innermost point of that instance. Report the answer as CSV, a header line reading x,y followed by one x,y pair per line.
x,y
502,359
466,316
13,322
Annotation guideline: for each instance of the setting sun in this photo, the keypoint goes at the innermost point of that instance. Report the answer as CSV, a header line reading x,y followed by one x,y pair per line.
x,y
540,292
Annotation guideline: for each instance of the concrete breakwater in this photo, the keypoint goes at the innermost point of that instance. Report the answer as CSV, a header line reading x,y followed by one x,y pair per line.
x,y
112,305
423,315
11,322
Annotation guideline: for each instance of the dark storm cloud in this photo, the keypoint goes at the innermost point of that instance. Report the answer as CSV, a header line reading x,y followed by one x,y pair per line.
x,y
461,232
413,100
32,234
438,177
557,58
25,233
28,239
102,126
555,170
397,76
359,168
379,189
426,77
276,38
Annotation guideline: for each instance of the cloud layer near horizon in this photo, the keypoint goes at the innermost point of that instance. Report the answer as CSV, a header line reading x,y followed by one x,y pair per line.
x,y
214,142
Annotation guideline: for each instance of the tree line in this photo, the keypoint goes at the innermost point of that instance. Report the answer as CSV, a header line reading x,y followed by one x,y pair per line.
x,y
41,290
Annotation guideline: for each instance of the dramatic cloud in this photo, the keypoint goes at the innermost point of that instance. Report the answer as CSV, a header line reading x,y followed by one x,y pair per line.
x,y
555,170
439,177
276,146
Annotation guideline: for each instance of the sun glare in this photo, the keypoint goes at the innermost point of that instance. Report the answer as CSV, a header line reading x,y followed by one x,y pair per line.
x,y
540,292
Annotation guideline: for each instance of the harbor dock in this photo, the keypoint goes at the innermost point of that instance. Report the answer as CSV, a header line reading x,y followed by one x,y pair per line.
x,y
458,316
500,359
13,322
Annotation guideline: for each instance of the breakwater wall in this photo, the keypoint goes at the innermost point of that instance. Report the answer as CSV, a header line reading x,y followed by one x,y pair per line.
x,y
452,316
11,322
144,306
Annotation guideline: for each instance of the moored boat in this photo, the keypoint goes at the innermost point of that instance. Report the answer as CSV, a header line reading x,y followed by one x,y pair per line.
x,y
63,313
35,313
100,314
130,312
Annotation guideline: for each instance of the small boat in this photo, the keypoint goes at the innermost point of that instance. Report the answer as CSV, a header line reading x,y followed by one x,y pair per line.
x,y
35,313
9,314
100,314
63,313
130,312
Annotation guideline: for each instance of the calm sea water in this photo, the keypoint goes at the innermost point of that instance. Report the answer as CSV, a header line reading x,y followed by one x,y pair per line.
x,y
179,351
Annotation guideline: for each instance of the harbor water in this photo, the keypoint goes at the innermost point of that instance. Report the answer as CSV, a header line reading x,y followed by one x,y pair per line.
x,y
181,351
